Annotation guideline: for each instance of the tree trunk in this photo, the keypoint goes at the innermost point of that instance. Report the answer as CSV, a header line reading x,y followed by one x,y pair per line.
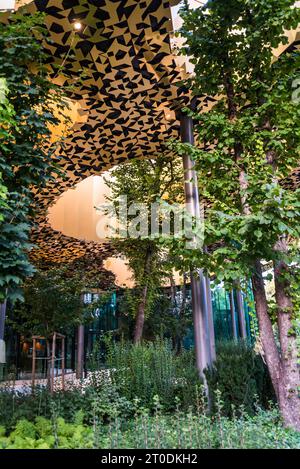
x,y
173,290
267,338
282,366
140,317
289,399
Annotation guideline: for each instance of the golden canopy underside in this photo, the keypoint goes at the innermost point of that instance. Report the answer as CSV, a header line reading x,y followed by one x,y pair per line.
x,y
130,85
125,81
129,88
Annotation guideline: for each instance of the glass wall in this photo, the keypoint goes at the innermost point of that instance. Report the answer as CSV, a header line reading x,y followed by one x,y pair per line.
x,y
106,318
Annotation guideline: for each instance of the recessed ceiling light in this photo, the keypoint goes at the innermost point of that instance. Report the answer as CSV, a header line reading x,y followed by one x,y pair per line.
x,y
77,26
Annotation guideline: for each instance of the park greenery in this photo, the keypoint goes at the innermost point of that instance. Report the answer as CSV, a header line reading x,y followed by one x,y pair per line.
x,y
144,182
159,431
52,302
247,150
152,399
27,102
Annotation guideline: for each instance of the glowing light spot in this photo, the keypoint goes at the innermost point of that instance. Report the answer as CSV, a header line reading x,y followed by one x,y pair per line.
x,y
77,26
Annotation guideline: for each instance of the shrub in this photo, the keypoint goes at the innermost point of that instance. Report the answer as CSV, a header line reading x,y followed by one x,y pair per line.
x,y
44,434
152,368
93,402
241,377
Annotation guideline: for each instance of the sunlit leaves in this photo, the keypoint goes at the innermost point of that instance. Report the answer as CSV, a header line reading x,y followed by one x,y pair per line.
x,y
26,111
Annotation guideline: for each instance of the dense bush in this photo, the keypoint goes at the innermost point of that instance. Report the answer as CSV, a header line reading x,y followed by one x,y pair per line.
x,y
241,377
94,401
154,369
149,369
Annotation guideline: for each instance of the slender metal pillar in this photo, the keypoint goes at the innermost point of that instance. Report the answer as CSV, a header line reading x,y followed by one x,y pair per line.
x,y
2,319
241,314
2,343
80,352
210,320
33,363
198,282
233,318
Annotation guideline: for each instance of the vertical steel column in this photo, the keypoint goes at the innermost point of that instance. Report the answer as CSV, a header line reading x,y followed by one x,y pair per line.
x,y
80,352
53,363
63,364
210,320
198,283
2,343
241,314
233,319
2,319
33,363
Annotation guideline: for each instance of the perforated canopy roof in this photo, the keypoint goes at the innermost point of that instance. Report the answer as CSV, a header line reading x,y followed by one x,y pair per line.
x,y
123,106
125,100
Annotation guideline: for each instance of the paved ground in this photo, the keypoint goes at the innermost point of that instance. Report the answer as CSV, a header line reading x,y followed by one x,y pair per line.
x,y
71,381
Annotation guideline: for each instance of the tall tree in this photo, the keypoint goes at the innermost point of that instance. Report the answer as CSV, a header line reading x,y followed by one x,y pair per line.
x,y
248,145
144,182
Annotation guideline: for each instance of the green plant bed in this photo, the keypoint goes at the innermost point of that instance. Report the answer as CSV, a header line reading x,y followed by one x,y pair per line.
x,y
93,401
181,430
139,373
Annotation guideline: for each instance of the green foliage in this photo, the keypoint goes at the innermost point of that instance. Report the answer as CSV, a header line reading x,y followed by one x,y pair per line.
x,y
3,195
52,302
150,398
190,430
137,374
44,435
169,318
247,157
30,104
96,401
181,430
149,369
165,318
241,378
252,136
144,182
